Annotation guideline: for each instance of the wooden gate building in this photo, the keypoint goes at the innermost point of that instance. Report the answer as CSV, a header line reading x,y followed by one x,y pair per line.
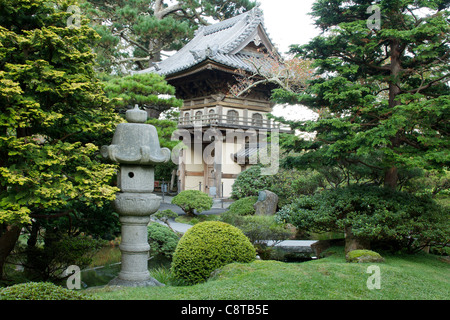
x,y
219,129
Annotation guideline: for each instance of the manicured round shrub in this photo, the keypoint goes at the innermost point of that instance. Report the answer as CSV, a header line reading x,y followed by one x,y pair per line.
x,y
41,291
208,246
190,200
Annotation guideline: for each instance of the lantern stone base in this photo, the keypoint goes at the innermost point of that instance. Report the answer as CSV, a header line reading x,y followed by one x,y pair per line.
x,y
132,283
134,211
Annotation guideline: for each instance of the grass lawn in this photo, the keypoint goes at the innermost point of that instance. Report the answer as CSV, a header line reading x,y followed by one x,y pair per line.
x,y
403,277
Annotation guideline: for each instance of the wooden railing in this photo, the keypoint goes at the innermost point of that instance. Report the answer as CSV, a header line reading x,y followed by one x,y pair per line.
x,y
214,119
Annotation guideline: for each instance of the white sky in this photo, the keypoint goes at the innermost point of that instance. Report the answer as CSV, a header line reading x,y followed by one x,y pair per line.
x,y
288,22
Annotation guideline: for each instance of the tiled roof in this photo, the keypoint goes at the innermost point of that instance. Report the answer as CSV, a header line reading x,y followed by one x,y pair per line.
x,y
221,42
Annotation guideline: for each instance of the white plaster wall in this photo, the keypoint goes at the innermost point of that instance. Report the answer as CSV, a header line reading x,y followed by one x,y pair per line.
x,y
227,183
192,183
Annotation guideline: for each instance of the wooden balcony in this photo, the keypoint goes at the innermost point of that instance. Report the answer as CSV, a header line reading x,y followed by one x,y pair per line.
x,y
223,121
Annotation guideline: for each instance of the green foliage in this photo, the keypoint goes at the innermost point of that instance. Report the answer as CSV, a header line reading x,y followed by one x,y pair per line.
x,y
163,275
162,240
135,32
208,246
249,183
432,182
382,95
165,215
373,213
145,90
258,229
244,206
287,184
193,200
54,115
41,291
49,261
51,104
403,277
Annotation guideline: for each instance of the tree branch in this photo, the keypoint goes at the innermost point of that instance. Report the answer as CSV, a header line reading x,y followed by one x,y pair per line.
x,y
134,59
158,5
164,12
123,36
363,163
428,85
51,216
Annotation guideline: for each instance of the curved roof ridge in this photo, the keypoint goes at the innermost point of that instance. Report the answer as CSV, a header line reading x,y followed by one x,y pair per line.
x,y
254,18
226,24
221,43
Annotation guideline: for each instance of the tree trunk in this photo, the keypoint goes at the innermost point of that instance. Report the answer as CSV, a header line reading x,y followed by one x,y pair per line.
x,y
8,238
354,243
31,246
391,175
153,113
172,180
391,178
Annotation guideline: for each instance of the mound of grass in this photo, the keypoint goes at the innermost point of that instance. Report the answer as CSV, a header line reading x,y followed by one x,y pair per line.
x,y
403,277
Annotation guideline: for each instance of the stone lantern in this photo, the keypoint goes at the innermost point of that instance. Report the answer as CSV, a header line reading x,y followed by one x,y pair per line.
x,y
136,148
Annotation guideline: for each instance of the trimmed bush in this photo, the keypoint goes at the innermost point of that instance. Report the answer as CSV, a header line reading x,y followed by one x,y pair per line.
x,y
208,246
162,240
249,183
193,200
244,206
41,291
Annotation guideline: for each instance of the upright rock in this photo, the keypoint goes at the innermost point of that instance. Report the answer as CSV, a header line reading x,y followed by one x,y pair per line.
x,y
267,203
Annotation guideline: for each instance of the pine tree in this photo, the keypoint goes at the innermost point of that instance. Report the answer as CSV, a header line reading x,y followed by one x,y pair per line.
x,y
382,91
149,91
135,32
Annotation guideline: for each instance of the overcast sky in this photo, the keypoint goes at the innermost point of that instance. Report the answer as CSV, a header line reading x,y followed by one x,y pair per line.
x,y
288,22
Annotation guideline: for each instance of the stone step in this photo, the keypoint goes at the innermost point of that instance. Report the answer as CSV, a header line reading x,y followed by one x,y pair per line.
x,y
294,245
293,249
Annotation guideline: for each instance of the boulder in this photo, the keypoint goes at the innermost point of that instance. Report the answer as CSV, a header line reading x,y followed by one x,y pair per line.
x,y
267,203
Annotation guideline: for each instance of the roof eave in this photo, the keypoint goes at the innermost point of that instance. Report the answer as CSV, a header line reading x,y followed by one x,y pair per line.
x,y
207,64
